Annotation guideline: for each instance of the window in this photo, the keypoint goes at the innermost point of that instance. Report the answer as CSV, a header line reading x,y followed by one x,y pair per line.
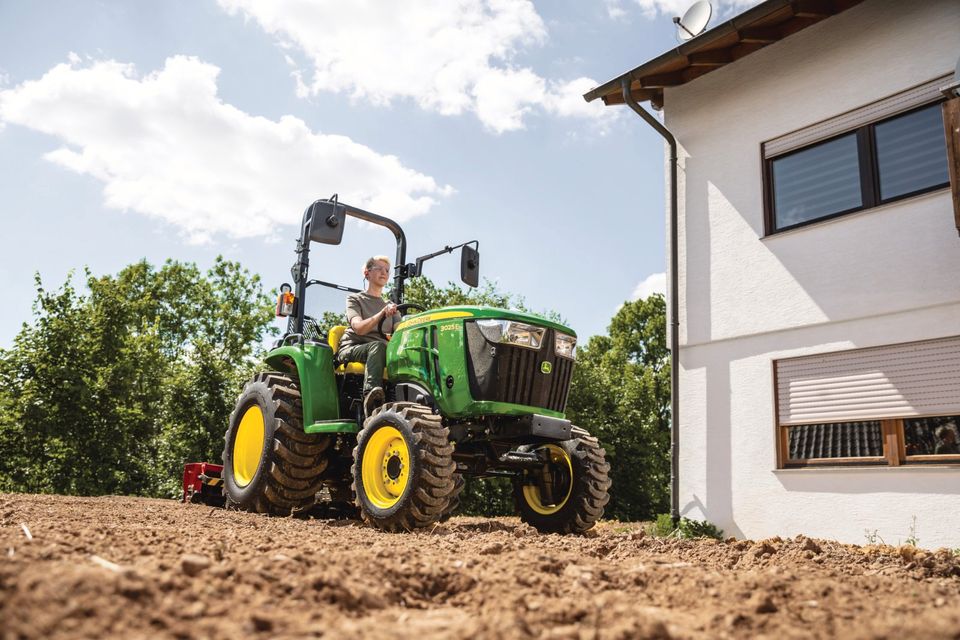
x,y
890,405
876,163
895,442
911,153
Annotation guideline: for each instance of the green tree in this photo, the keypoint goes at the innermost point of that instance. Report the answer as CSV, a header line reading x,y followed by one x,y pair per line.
x,y
112,389
621,393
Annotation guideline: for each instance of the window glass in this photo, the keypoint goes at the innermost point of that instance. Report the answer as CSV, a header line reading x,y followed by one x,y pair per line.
x,y
817,182
932,436
911,152
839,440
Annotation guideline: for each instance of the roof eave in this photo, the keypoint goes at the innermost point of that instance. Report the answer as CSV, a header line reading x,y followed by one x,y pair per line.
x,y
665,64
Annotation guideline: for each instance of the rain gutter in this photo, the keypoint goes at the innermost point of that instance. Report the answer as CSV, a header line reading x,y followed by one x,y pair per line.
x,y
674,304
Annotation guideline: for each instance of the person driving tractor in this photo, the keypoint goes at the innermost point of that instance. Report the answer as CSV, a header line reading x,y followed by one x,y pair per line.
x,y
370,322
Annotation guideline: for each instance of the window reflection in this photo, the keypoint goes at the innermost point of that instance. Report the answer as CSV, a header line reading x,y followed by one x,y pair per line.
x,y
932,436
911,153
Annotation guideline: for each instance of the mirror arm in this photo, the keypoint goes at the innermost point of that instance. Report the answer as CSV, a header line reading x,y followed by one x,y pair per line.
x,y
339,287
414,270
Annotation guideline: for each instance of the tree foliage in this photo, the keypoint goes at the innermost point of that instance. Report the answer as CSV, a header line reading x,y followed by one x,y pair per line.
x,y
111,389
621,393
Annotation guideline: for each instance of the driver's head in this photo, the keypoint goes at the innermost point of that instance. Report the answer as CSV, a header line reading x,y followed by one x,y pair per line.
x,y
377,269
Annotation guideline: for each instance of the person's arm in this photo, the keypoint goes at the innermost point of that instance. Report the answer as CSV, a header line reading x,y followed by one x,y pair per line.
x,y
363,326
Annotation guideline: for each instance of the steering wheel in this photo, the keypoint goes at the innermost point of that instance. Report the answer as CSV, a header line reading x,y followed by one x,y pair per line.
x,y
401,308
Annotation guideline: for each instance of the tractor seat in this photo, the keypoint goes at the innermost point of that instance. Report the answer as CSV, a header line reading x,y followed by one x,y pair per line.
x,y
333,339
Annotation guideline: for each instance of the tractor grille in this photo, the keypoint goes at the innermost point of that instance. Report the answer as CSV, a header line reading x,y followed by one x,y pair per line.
x,y
507,373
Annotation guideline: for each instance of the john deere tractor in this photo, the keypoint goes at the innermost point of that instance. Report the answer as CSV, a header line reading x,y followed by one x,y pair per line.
x,y
471,391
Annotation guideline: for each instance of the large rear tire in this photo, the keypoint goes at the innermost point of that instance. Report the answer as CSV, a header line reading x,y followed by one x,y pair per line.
x,y
571,499
403,469
269,464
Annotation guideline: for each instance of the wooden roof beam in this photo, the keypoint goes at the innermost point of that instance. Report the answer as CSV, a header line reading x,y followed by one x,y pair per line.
x,y
813,9
640,95
662,80
716,58
761,35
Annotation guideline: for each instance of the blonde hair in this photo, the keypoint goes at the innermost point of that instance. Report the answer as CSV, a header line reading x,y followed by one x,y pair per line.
x,y
370,262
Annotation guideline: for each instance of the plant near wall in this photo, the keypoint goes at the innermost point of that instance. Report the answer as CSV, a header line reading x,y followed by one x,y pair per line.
x,y
912,539
699,529
686,529
662,527
873,537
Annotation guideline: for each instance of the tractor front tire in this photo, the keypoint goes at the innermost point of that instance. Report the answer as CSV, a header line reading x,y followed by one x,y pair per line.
x,y
270,465
578,488
403,469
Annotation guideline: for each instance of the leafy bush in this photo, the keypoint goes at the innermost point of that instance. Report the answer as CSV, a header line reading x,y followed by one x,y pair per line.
x,y
662,527
687,529
699,529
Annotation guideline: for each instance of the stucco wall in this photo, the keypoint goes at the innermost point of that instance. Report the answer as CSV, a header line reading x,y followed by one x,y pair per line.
x,y
886,275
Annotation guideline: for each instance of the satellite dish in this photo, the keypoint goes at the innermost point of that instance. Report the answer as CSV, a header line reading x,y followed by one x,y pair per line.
x,y
694,21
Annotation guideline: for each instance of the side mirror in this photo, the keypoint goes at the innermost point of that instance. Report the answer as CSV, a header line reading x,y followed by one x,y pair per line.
x,y
327,221
470,266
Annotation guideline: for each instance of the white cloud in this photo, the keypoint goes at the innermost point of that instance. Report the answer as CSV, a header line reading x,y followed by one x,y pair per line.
x,y
565,99
654,283
165,145
449,56
652,8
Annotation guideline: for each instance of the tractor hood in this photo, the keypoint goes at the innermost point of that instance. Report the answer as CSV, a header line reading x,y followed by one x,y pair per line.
x,y
469,311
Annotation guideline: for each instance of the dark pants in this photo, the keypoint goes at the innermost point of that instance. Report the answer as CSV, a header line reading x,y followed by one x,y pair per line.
x,y
373,355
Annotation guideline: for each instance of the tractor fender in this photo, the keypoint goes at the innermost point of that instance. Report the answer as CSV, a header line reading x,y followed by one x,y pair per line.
x,y
312,365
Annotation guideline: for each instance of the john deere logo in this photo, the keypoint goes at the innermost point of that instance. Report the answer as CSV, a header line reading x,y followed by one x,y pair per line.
x,y
546,367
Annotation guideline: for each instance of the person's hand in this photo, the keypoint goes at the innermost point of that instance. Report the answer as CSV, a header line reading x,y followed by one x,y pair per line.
x,y
390,309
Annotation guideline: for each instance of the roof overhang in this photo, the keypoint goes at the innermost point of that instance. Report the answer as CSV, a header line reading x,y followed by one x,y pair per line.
x,y
752,30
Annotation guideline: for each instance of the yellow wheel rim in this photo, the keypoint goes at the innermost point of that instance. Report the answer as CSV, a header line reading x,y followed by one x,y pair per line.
x,y
385,468
531,493
248,446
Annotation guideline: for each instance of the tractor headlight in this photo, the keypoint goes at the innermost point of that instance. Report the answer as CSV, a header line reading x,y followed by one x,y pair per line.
x,y
565,346
510,332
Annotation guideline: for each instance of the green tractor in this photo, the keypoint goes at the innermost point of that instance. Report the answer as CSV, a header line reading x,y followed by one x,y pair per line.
x,y
470,390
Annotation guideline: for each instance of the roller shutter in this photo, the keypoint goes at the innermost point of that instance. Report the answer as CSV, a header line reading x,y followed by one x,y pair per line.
x,y
904,101
894,381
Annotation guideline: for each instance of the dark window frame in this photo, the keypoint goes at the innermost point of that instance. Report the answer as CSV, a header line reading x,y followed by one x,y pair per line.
x,y
869,175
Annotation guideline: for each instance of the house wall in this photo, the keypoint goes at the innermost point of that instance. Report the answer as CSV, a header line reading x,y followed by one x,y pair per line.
x,y
886,275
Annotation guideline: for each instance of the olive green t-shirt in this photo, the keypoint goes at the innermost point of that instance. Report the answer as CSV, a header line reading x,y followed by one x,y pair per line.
x,y
363,305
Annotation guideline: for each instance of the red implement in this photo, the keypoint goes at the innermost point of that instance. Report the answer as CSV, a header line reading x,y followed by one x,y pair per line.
x,y
202,483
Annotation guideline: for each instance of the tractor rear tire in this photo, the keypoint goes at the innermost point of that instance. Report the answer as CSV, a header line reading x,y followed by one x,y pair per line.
x,y
458,485
403,469
580,487
270,465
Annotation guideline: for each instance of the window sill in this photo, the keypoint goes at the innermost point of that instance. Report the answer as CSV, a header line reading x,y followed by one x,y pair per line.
x,y
948,467
817,224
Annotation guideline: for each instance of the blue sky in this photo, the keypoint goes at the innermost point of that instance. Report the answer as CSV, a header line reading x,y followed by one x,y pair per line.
x,y
186,129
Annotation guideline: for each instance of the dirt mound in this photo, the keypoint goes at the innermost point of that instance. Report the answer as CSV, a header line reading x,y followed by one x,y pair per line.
x,y
98,567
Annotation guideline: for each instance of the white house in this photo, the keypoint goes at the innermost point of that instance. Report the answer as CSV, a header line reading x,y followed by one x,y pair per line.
x,y
819,268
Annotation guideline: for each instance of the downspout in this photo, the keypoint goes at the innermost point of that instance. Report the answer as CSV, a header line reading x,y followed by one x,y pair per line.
x,y
674,305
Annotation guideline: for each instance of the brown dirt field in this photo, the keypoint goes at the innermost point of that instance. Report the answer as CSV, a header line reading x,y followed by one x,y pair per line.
x,y
139,568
